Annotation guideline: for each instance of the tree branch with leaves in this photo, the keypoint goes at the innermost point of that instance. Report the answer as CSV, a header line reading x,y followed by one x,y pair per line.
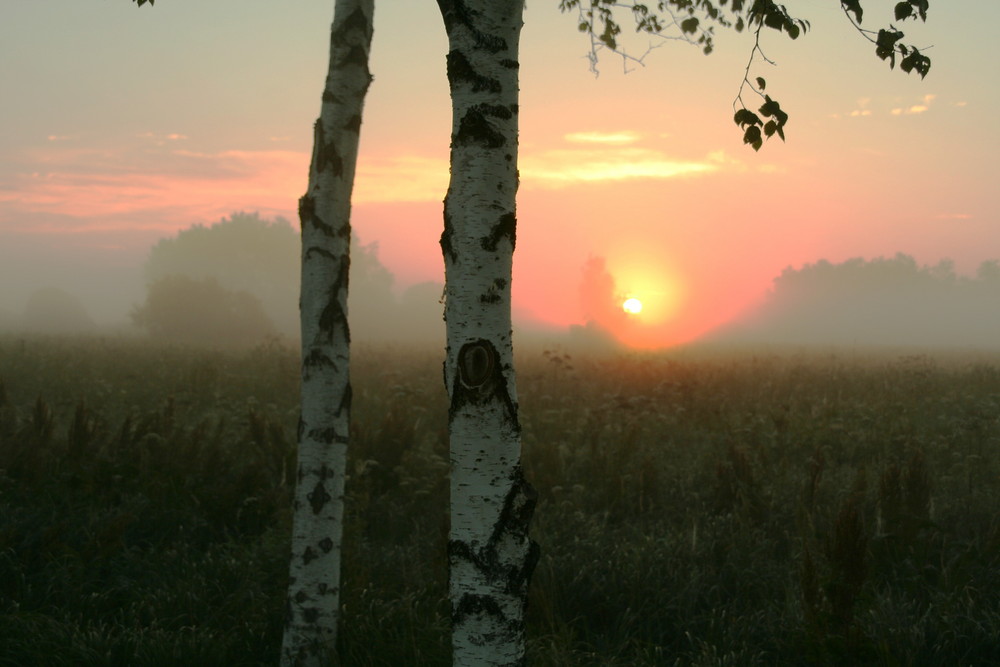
x,y
694,21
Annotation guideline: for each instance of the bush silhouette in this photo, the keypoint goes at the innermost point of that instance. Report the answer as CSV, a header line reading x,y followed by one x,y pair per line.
x,y
244,253
201,311
261,257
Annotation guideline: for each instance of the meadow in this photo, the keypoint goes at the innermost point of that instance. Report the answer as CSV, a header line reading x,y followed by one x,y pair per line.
x,y
756,508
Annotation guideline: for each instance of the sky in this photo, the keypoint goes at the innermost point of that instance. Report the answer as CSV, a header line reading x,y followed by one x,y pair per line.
x,y
120,126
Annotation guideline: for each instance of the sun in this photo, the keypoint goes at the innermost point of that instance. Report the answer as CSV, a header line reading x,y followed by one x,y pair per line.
x,y
632,306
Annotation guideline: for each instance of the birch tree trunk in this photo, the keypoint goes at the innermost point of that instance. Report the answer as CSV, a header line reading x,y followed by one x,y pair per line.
x,y
314,573
490,554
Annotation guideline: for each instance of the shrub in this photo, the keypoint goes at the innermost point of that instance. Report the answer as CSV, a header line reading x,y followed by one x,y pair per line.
x,y
201,311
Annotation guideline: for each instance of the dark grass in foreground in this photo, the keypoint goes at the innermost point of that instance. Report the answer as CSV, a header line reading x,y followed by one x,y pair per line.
x,y
747,510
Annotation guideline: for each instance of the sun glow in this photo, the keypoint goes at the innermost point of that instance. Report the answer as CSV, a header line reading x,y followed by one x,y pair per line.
x,y
632,306
652,296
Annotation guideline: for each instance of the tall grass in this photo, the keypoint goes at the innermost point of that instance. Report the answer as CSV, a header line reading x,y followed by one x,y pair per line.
x,y
743,510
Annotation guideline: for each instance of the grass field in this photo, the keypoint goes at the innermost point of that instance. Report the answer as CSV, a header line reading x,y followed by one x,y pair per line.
x,y
740,509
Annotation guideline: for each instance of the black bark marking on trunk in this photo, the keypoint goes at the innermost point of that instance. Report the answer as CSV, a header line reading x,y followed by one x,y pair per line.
x,y
518,509
478,365
310,614
510,64
356,55
461,71
449,230
493,387
346,399
515,517
315,359
308,217
334,317
475,363
455,13
505,227
327,436
492,295
322,252
494,110
308,556
307,209
301,597
470,604
325,155
326,545
478,604
318,497
476,129
353,124
356,20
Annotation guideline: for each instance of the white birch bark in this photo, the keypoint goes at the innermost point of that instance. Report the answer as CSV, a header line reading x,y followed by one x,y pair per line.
x,y
490,555
314,572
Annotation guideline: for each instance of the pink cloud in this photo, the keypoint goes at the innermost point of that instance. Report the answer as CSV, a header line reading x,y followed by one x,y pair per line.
x,y
173,186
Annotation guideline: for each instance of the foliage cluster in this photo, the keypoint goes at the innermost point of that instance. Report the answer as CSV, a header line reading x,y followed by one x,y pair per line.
x,y
201,311
879,301
238,279
742,510
694,21
234,280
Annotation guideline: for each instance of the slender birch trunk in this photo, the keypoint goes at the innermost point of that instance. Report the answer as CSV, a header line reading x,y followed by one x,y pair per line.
x,y
490,554
324,211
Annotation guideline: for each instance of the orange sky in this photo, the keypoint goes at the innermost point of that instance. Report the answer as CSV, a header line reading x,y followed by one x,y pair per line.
x,y
122,125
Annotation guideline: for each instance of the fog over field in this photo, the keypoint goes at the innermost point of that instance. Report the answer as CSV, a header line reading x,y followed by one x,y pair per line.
x,y
858,302
105,280
883,301
43,290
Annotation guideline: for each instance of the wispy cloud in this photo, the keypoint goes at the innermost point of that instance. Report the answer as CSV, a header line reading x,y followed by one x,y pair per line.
x,y
566,167
582,158
157,179
590,157
92,186
919,108
613,138
865,108
862,108
162,139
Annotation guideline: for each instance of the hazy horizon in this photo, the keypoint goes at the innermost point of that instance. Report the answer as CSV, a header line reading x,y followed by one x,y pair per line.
x,y
183,113
861,301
